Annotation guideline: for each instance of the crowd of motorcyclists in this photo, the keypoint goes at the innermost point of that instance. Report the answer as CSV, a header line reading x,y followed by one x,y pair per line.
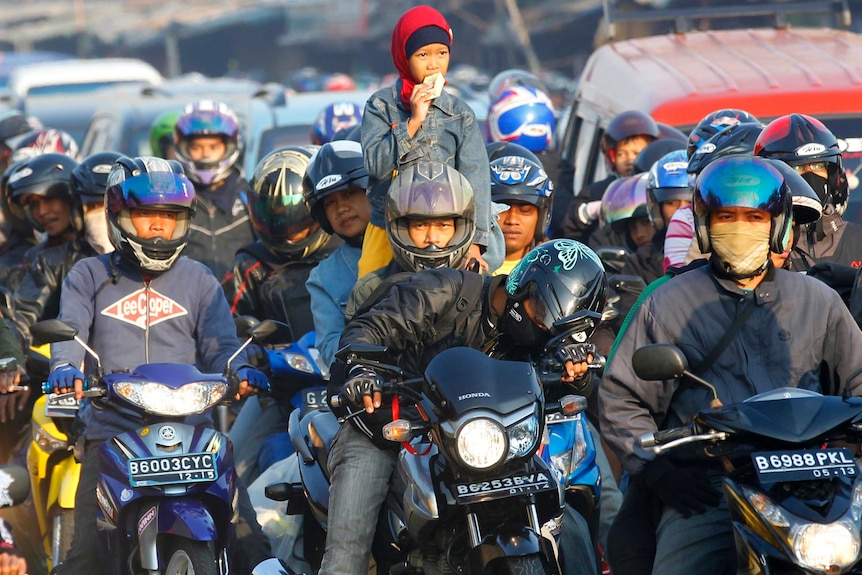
x,y
375,233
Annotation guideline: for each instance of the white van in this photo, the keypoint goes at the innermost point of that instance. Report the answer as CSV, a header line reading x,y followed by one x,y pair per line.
x,y
79,76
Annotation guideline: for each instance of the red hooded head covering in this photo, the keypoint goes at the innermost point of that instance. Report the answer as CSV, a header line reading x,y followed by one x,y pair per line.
x,y
410,22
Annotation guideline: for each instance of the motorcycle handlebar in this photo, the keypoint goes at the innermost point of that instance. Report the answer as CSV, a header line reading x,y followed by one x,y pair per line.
x,y
650,440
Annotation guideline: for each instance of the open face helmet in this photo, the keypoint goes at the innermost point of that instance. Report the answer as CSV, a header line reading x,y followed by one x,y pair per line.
x,y
45,175
429,190
208,118
713,123
90,178
667,181
523,115
278,212
336,166
48,141
653,152
735,140
797,140
624,126
515,179
148,183
334,117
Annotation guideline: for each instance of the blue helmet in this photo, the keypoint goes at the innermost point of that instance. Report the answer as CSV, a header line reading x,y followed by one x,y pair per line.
x,y
667,181
525,116
334,117
516,179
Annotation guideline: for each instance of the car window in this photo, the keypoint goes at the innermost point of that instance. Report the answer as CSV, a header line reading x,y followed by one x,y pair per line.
x,y
282,136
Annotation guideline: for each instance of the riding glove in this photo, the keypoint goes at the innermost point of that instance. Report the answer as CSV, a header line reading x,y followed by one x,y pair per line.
x,y
686,489
360,381
255,378
64,376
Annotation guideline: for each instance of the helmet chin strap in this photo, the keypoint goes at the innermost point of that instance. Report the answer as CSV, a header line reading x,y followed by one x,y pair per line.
x,y
723,270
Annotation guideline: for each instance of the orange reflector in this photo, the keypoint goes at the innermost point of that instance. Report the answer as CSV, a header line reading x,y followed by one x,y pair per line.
x,y
573,404
398,430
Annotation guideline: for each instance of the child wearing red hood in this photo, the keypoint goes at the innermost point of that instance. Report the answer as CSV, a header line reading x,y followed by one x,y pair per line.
x,y
402,125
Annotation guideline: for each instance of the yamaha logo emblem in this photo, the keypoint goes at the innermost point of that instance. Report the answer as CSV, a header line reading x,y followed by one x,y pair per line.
x,y
167,433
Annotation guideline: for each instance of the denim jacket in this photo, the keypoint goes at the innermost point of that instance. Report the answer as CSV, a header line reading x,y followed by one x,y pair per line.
x,y
329,285
449,135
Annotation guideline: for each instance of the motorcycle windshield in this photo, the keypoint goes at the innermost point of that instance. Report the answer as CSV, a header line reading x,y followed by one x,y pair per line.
x,y
794,419
467,379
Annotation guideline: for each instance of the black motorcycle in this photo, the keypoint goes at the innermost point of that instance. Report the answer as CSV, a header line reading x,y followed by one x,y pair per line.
x,y
478,499
791,482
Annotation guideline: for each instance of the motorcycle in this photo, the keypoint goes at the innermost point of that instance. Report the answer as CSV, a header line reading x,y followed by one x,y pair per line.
x,y
478,498
792,485
167,491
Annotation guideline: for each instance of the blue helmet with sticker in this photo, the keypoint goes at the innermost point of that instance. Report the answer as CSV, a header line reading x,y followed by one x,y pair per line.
x,y
667,181
525,116
515,179
334,117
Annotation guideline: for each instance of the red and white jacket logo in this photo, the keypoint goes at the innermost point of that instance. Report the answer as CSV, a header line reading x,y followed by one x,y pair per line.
x,y
134,308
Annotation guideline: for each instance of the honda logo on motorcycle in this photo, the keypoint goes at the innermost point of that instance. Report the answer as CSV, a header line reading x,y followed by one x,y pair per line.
x,y
136,307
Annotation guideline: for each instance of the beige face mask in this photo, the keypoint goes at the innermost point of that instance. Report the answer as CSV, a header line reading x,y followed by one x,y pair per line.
x,y
742,247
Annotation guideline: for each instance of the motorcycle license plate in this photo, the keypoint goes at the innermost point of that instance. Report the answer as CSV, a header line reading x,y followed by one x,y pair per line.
x,y
804,464
187,468
503,487
313,398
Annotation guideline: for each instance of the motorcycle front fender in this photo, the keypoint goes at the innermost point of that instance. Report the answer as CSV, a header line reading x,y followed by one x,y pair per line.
x,y
510,541
186,518
69,473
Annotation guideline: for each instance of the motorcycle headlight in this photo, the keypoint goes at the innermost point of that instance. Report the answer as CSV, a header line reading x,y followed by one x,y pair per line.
x,y
160,399
299,362
47,442
523,436
481,443
825,547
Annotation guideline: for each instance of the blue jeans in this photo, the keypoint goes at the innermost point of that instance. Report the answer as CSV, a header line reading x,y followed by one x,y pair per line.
x,y
361,477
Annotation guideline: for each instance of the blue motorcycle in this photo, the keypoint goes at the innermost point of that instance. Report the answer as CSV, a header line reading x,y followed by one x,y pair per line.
x,y
167,491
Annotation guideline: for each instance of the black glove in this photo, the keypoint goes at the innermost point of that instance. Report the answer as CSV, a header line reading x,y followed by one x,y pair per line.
x,y
361,381
575,352
686,489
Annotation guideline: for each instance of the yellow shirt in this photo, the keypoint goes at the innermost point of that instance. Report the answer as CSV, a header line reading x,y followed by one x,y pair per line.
x,y
506,268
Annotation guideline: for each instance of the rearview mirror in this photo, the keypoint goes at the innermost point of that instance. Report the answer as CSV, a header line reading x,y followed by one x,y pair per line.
x,y
659,361
363,350
271,330
52,331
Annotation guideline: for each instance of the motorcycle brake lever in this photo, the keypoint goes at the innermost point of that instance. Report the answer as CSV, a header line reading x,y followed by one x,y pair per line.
x,y
350,416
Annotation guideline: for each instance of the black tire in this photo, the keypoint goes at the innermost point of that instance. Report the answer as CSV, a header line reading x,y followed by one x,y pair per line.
x,y
187,557
64,524
526,565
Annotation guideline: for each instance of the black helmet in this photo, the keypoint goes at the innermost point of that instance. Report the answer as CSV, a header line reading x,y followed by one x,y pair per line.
x,y
14,220
651,154
714,123
148,183
517,179
561,278
624,126
13,127
336,166
747,182
501,149
807,207
276,206
47,175
423,191
90,177
797,139
735,140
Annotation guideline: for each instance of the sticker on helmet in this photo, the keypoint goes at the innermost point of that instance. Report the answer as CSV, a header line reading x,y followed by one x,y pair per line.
x,y
18,175
810,149
328,181
102,168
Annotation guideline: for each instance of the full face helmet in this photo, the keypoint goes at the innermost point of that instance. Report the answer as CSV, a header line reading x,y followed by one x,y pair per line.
x,y
807,207
153,184
744,182
49,141
162,133
523,115
735,140
90,178
429,190
667,181
332,118
48,176
276,206
511,78
623,200
497,150
797,139
560,278
515,179
207,118
336,166
714,123
624,126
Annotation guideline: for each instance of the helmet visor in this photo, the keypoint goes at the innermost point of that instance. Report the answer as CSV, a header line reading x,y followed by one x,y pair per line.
x,y
429,199
207,125
735,182
287,219
165,190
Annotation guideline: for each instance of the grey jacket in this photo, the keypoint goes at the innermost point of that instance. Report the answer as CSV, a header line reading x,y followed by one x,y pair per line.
x,y
798,323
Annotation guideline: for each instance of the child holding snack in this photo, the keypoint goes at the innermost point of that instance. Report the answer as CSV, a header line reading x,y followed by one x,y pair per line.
x,y
415,119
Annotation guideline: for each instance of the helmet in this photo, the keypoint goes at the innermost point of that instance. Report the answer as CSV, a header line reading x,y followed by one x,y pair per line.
x,y
497,150
14,220
208,118
624,126
517,179
807,207
339,82
523,115
13,125
562,277
668,132
45,142
511,78
276,206
334,167
162,132
430,190
352,133
653,152
90,178
735,140
667,181
714,123
44,175
799,139
624,199
150,183
332,118
748,182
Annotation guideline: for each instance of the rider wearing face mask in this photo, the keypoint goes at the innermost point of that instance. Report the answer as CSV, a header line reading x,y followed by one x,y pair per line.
x,y
89,181
783,328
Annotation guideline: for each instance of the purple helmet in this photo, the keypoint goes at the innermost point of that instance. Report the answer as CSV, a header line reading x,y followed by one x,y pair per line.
x,y
207,118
